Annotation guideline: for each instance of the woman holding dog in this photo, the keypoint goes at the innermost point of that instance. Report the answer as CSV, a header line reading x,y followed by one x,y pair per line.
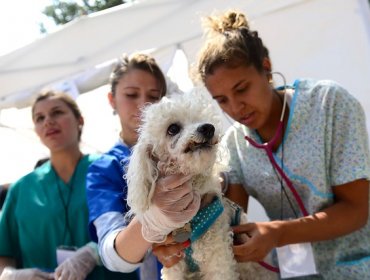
x,y
123,245
44,218
311,175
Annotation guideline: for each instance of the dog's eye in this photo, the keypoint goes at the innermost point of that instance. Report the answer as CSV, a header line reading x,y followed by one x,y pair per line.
x,y
173,129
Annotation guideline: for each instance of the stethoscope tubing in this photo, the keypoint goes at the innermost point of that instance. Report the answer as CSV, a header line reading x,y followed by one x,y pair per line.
x,y
268,148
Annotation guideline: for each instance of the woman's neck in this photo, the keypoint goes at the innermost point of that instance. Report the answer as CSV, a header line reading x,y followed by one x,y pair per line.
x,y
65,162
128,139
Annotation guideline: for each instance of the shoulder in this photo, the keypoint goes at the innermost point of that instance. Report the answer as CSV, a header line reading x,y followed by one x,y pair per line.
x,y
322,88
31,179
119,152
234,135
114,159
38,174
89,158
236,130
325,94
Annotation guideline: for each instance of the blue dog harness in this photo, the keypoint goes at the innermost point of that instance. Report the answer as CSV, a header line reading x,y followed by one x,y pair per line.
x,y
202,221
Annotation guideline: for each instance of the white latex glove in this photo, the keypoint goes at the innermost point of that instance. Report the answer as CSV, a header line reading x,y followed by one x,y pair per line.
x,y
174,203
78,266
24,274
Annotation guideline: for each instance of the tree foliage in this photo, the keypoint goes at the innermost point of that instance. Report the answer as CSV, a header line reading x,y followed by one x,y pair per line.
x,y
65,11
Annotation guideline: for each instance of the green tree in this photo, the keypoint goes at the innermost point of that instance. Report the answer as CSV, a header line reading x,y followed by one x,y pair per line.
x,y
65,11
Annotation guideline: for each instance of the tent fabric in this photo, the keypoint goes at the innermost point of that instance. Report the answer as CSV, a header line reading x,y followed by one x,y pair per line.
x,y
159,25
304,36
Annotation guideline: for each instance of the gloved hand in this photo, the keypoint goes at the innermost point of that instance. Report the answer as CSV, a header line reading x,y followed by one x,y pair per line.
x,y
174,203
78,266
10,273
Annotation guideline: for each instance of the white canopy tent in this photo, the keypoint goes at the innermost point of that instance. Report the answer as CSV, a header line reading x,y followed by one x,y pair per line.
x,y
316,38
325,39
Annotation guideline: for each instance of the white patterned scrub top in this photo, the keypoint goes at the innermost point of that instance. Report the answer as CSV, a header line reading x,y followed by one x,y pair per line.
x,y
325,144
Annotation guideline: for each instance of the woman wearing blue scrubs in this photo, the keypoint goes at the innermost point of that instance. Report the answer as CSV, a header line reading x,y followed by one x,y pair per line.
x,y
311,175
135,82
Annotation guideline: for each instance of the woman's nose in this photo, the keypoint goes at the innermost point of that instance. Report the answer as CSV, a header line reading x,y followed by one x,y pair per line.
x,y
144,101
236,107
48,120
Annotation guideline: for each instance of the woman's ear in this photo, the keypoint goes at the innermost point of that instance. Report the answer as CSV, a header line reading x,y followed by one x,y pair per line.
x,y
80,126
111,100
81,121
266,64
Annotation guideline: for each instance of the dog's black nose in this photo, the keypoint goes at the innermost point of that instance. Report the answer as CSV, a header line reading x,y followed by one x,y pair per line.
x,y
207,130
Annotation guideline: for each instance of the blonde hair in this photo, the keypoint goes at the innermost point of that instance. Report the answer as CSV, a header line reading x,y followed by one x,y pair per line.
x,y
230,43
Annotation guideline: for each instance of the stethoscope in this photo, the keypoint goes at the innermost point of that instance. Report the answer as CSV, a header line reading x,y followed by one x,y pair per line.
x,y
268,147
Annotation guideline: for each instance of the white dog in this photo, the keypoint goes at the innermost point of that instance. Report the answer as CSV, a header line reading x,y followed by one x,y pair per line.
x,y
183,132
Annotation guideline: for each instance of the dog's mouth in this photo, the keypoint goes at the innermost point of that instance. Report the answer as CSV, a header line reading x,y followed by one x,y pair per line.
x,y
195,146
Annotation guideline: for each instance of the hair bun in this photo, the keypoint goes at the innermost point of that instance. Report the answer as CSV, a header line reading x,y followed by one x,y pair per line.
x,y
231,20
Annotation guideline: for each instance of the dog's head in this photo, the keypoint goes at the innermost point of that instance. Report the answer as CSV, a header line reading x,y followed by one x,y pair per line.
x,y
178,135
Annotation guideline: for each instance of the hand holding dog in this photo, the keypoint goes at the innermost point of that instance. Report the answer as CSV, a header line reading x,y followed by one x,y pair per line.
x,y
174,203
262,238
170,252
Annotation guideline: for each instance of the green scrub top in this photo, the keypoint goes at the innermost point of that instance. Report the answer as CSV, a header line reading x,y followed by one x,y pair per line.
x,y
41,213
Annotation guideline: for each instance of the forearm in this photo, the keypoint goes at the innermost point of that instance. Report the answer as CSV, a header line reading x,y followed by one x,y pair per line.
x,y
108,226
337,220
130,244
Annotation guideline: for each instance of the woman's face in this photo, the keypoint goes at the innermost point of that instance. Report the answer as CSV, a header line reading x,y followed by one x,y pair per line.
x,y
134,90
56,125
243,93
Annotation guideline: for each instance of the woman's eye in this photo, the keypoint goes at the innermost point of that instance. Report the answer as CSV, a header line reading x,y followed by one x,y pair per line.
x,y
131,95
173,129
221,100
241,90
154,98
57,113
39,119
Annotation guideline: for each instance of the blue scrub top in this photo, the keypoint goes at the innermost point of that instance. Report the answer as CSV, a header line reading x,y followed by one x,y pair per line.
x,y
106,188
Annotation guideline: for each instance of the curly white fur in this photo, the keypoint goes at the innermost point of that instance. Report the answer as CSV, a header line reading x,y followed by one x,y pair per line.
x,y
188,152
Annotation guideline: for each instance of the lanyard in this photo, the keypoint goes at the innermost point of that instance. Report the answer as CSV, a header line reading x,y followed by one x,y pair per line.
x,y
65,204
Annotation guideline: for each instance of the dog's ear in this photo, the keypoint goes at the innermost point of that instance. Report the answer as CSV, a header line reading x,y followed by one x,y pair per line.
x,y
142,174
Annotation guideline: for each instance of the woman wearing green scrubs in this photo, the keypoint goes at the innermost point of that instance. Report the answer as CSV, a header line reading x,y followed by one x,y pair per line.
x,y
44,218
